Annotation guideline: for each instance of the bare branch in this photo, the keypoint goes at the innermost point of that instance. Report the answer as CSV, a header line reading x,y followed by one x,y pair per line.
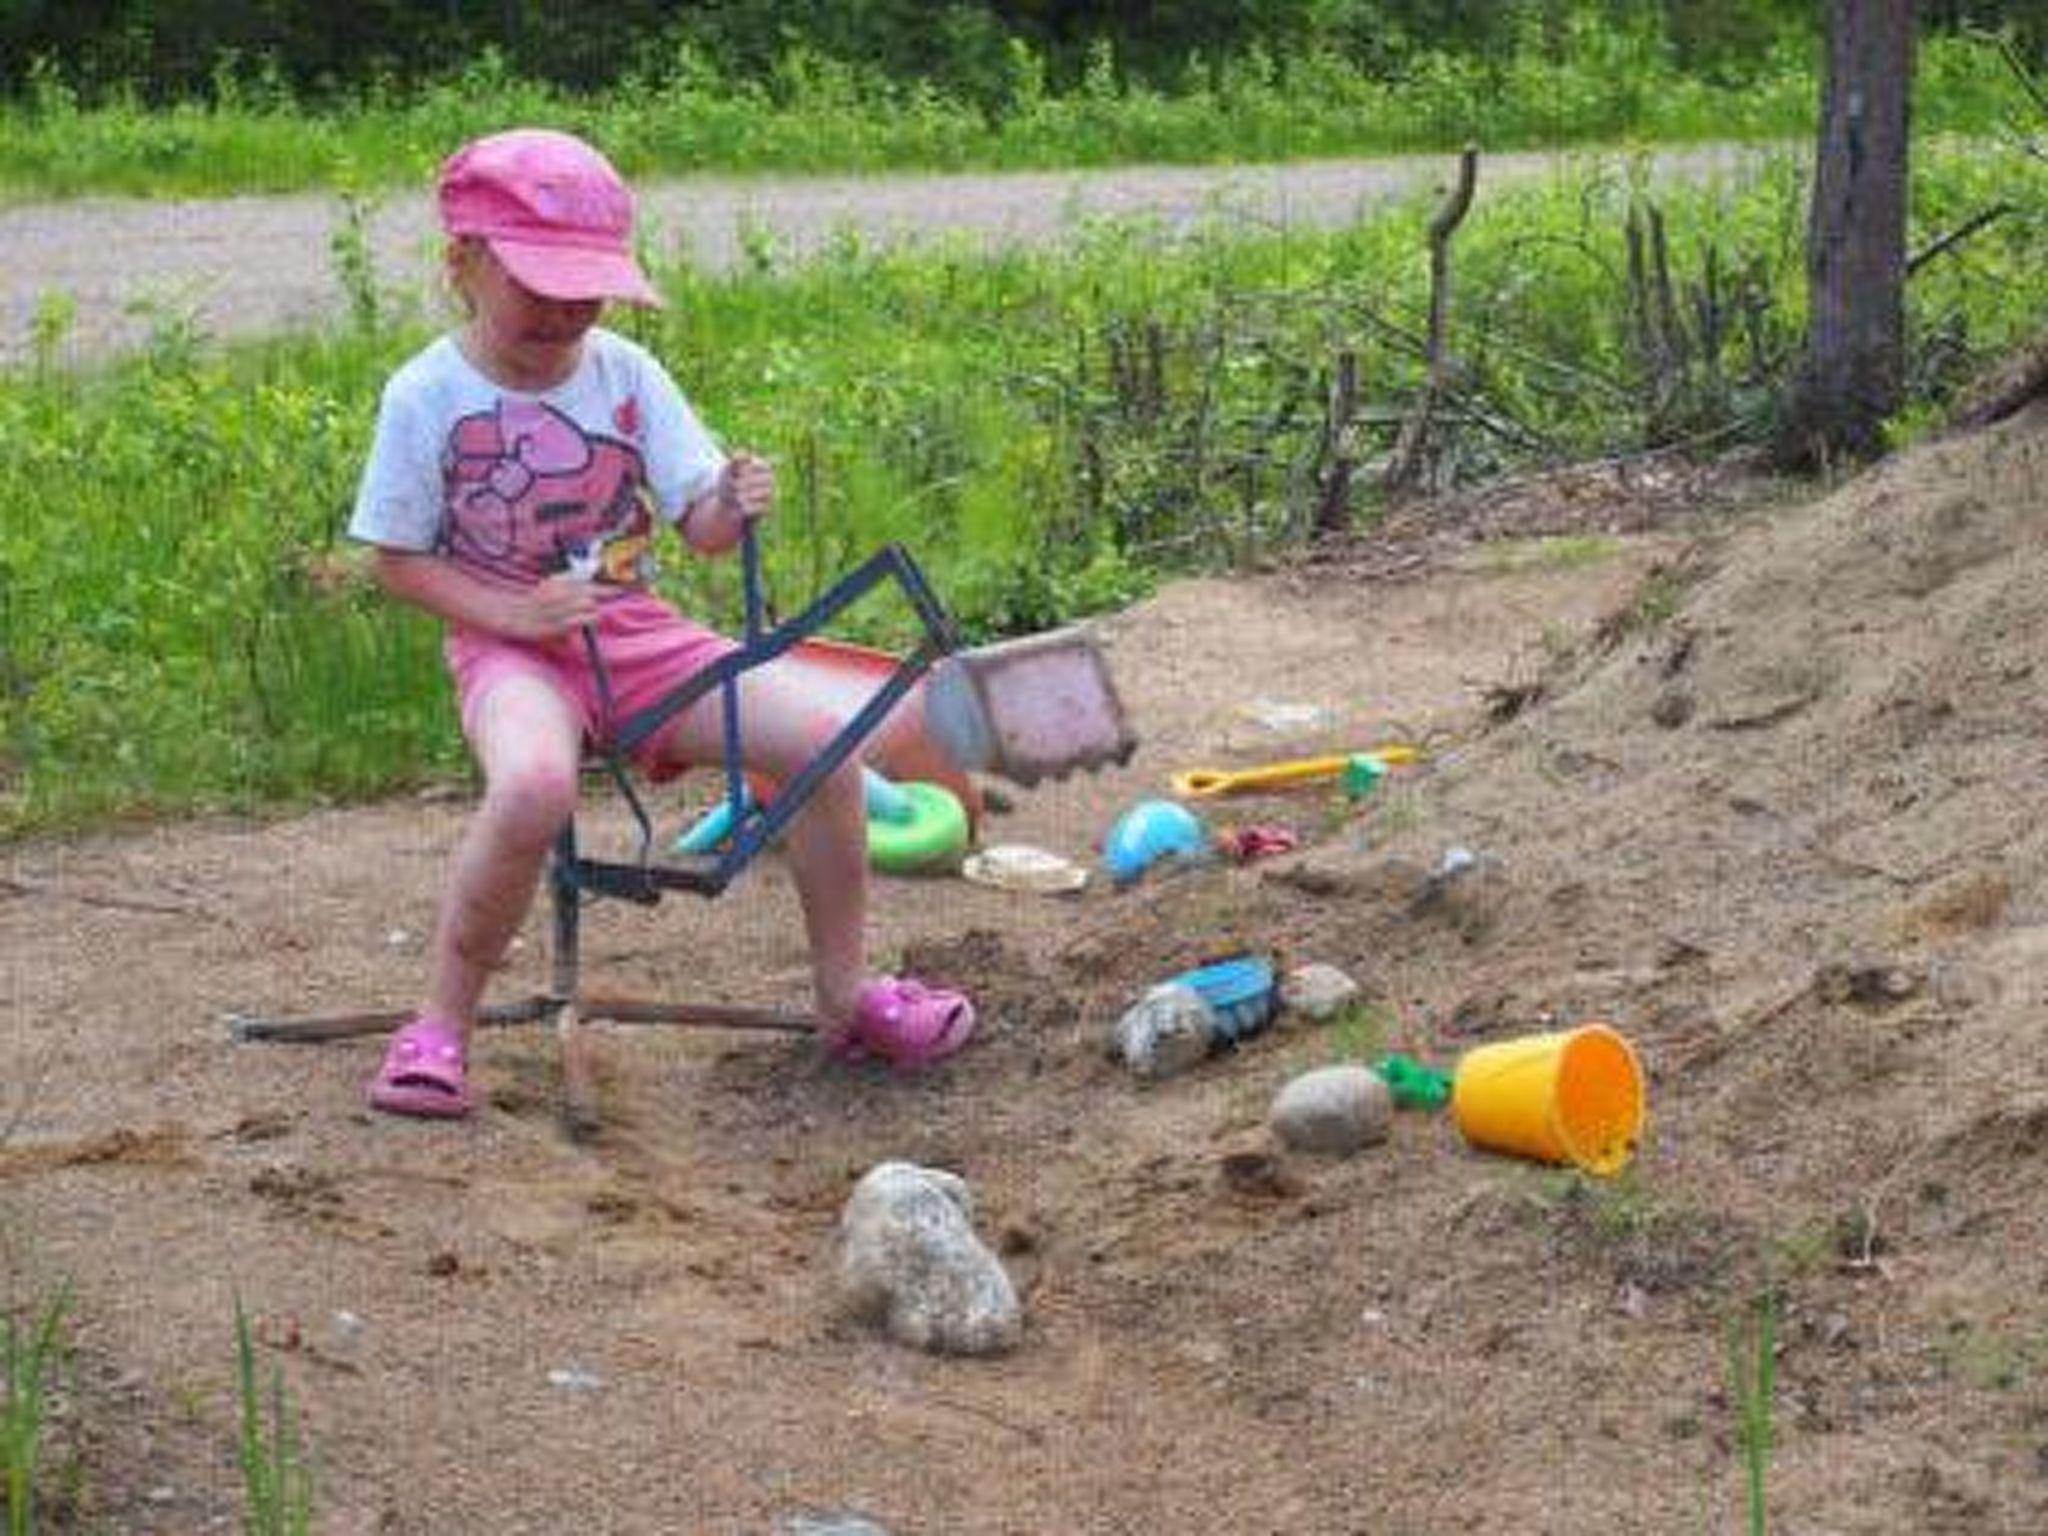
x,y
1956,236
1406,469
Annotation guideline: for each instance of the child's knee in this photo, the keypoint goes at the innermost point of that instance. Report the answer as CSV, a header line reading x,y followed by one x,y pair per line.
x,y
534,801
784,747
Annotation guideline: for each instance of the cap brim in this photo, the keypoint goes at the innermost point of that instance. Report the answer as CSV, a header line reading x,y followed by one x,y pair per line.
x,y
574,273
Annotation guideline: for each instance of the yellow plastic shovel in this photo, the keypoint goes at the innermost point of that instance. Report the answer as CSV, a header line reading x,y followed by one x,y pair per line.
x,y
1201,783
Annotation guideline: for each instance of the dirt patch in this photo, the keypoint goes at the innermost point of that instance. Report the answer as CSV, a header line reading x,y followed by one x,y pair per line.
x,y
1757,782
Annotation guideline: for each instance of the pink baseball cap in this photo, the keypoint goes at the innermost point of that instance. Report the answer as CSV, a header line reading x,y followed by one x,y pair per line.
x,y
552,209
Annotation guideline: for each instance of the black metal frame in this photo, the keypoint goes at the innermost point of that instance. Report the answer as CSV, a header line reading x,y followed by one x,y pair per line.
x,y
753,825
572,877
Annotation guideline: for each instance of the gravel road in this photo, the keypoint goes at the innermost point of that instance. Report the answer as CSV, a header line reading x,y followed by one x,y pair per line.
x,y
246,265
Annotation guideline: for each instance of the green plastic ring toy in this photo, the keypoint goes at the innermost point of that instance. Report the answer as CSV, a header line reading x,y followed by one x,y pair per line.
x,y
932,836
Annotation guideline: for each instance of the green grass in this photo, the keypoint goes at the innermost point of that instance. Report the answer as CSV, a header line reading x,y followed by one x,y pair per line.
x,y
31,1354
817,114
277,1487
1561,552
1357,1032
183,626
1752,1348
1991,1358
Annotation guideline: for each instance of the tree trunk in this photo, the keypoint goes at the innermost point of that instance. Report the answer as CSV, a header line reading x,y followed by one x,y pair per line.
x,y
1854,373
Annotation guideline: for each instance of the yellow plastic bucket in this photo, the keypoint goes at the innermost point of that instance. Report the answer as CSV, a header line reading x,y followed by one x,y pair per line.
x,y
1572,1097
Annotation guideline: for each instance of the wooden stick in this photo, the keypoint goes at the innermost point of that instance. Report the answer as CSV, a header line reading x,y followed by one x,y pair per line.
x,y
628,1010
580,1121
312,1029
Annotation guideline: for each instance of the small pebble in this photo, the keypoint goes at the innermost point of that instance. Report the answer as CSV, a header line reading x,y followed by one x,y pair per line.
x,y
1317,991
828,1525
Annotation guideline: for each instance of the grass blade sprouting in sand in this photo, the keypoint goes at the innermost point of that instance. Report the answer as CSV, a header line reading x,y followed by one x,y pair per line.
x,y
277,1485
1752,1376
29,1353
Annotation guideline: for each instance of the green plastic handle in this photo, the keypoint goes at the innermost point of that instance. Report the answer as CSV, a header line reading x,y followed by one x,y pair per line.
x,y
1413,1085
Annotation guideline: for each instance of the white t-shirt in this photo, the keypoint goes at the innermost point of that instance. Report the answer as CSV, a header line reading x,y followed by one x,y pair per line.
x,y
515,487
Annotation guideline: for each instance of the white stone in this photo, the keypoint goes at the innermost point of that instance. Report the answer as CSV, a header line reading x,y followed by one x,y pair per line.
x,y
1332,1110
1283,717
1316,991
910,1262
828,1525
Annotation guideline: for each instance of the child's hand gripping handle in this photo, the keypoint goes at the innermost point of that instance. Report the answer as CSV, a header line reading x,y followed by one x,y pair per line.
x,y
746,490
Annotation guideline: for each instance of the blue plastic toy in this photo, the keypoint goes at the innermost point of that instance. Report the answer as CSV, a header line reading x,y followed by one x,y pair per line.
x,y
1240,992
1148,832
911,827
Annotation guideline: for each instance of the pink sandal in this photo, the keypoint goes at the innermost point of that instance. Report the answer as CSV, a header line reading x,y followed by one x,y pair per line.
x,y
423,1072
906,1023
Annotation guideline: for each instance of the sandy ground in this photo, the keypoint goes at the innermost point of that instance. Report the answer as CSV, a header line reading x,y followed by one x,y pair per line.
x,y
249,266
1757,780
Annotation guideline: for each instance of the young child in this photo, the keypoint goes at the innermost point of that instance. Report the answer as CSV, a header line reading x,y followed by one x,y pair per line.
x,y
519,467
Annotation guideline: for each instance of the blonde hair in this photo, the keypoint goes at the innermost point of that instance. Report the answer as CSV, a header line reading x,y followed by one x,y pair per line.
x,y
456,264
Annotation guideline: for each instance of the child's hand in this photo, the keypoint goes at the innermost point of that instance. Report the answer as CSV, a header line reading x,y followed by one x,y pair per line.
x,y
746,490
556,606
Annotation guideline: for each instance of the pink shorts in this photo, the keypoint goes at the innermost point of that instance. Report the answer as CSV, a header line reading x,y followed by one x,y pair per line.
x,y
649,649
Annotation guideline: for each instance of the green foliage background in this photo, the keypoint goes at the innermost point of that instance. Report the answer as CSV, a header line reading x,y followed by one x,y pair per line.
x,y
227,95
820,115
963,47
182,625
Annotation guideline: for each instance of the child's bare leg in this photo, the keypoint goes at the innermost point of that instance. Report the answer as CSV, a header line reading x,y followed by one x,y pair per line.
x,y
527,742
783,729
828,860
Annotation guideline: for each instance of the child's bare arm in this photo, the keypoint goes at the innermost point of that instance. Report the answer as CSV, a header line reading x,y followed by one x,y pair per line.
x,y
555,606
746,490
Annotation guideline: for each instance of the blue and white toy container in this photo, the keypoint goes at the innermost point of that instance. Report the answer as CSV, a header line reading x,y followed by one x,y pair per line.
x,y
1240,991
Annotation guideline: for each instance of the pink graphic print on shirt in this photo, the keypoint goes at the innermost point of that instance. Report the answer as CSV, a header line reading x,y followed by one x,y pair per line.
x,y
528,493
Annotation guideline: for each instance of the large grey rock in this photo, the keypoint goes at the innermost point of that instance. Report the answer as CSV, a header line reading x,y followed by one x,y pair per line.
x,y
1332,1110
910,1263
